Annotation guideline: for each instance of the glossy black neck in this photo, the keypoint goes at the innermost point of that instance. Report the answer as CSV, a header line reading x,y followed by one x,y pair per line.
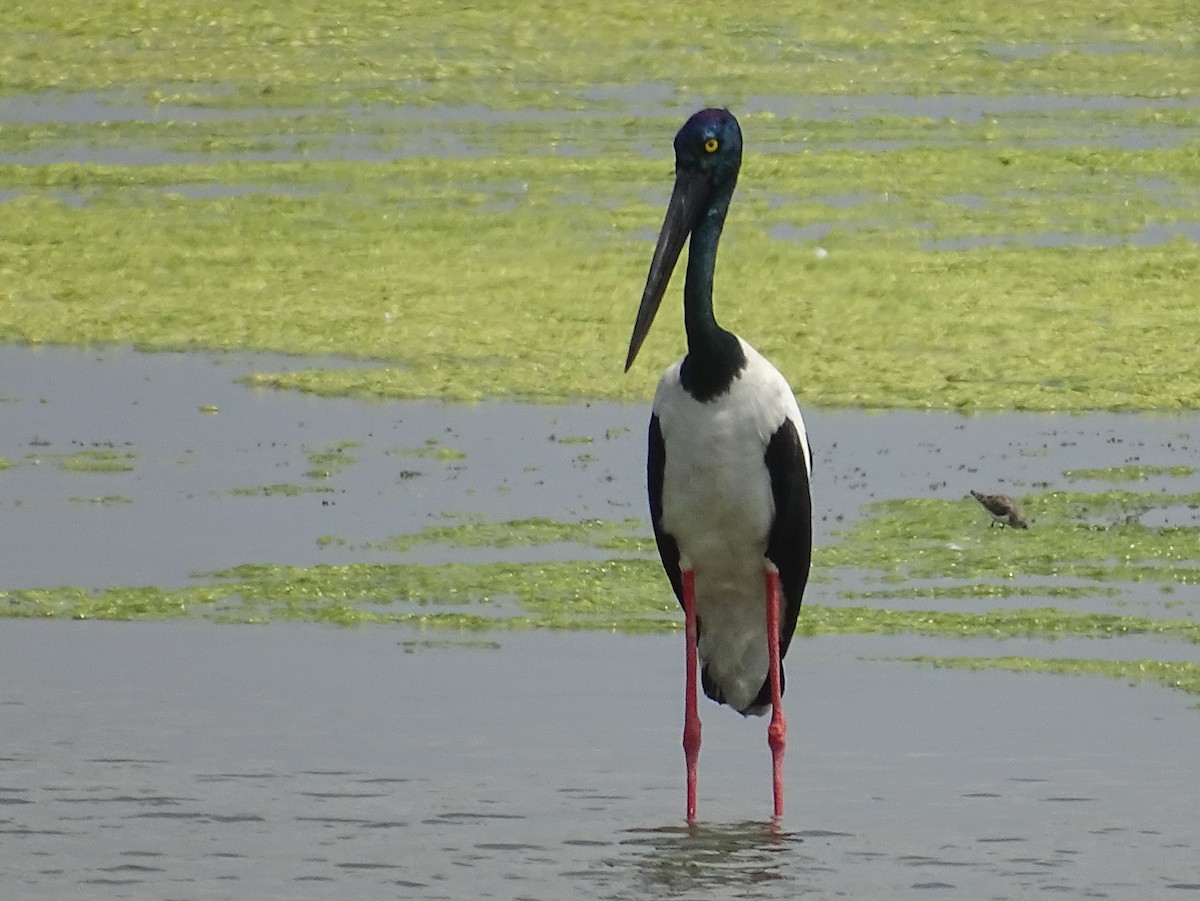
x,y
714,356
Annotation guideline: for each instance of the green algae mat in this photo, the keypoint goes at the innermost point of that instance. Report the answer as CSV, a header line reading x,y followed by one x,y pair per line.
x,y
957,559
942,206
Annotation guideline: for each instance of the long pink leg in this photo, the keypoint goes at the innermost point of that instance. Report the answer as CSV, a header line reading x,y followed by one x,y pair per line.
x,y
777,731
691,719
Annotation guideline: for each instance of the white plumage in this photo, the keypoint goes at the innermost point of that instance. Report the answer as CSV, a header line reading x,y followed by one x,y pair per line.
x,y
718,506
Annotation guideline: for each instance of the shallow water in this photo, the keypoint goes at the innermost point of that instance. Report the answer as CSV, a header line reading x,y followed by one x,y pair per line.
x,y
437,129
190,760
209,456
186,760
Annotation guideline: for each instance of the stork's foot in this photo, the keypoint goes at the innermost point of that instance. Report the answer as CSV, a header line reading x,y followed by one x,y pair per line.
x,y
691,755
777,739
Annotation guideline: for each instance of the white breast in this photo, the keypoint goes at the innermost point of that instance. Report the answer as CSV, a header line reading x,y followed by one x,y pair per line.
x,y
718,506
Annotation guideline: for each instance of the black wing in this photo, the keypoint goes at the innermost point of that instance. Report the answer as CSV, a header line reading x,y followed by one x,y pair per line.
x,y
656,463
789,546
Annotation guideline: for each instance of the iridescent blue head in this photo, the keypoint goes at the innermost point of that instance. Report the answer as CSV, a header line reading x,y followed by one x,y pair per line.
x,y
708,154
710,145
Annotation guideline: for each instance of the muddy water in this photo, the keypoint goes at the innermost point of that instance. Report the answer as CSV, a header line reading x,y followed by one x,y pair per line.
x,y
188,760
171,760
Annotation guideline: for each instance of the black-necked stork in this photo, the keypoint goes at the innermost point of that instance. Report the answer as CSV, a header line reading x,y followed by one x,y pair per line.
x,y
728,465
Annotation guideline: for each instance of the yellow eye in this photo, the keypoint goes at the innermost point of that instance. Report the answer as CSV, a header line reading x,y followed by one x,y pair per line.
x,y
711,145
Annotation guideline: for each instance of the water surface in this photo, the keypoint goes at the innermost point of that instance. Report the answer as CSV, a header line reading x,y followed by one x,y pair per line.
x,y
188,760
207,452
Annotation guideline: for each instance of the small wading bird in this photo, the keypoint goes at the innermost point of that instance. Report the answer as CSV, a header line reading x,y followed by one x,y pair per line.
x,y
1003,508
728,465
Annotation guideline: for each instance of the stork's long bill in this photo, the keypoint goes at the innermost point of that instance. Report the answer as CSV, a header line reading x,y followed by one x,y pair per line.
x,y
688,202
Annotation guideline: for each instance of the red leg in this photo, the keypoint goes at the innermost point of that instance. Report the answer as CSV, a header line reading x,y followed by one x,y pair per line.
x,y
691,719
777,731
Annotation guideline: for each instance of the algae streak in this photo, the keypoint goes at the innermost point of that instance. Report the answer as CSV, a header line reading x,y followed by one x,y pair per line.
x,y
532,54
1183,676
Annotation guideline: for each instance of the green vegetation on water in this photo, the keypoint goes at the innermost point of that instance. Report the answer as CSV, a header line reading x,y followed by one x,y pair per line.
x,y
976,591
1130,473
96,461
329,461
466,303
617,595
630,594
953,547
955,206
531,54
532,532
464,199
1184,676
1092,536
431,449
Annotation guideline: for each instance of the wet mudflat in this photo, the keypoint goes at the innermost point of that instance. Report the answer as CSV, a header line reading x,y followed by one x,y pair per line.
x,y
192,760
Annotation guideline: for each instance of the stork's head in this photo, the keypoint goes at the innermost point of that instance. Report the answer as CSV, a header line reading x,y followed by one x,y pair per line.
x,y
709,146
708,154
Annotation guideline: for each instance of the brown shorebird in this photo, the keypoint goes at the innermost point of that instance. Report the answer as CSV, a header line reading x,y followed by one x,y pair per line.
x,y
1003,508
